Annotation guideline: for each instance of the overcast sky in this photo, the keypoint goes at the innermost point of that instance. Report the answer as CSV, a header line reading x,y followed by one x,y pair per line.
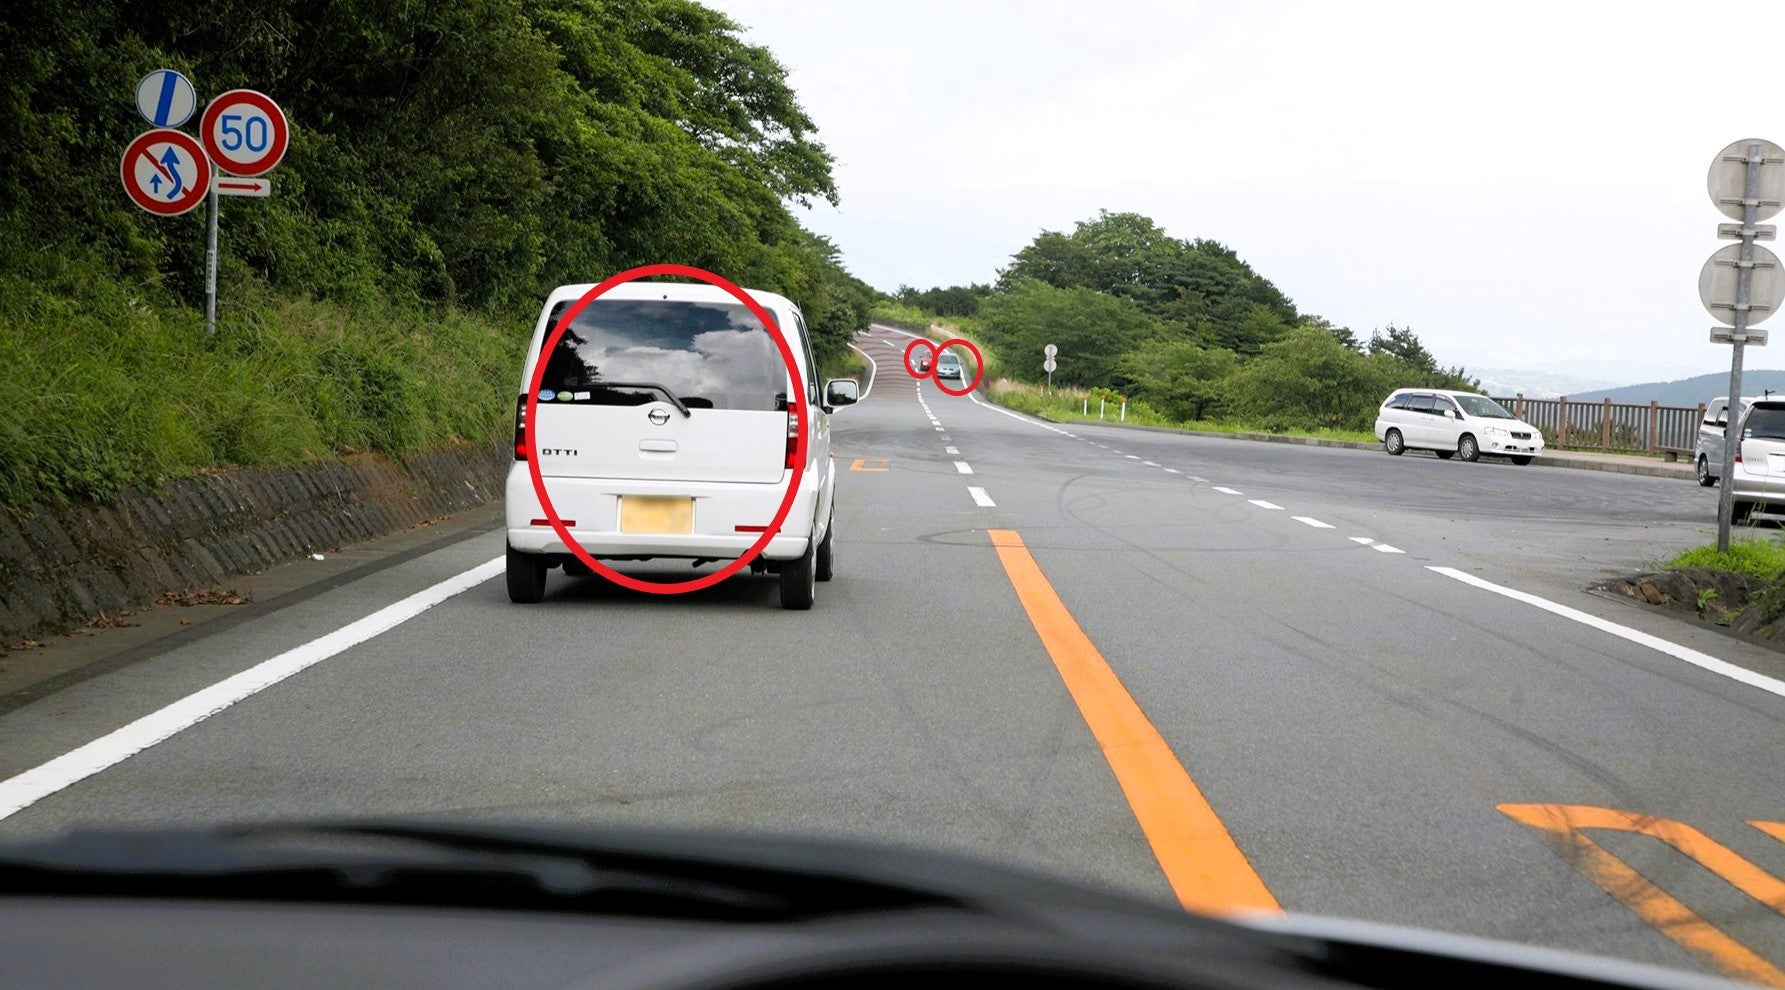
x,y
1521,183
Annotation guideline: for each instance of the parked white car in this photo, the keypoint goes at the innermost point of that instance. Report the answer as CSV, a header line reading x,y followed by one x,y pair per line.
x,y
1758,482
1452,423
664,431
1708,453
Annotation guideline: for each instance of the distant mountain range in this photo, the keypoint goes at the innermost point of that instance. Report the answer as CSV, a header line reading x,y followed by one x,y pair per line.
x,y
1569,377
1681,392
1689,391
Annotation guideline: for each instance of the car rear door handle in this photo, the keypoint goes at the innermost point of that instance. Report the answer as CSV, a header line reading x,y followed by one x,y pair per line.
x,y
658,446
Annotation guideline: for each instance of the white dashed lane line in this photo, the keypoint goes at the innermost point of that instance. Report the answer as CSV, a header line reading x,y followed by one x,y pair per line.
x,y
951,450
984,500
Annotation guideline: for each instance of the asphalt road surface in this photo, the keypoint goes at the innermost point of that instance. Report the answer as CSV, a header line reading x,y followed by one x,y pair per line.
x,y
1221,673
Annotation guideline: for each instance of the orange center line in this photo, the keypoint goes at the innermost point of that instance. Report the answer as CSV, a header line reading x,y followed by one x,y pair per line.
x,y
1200,859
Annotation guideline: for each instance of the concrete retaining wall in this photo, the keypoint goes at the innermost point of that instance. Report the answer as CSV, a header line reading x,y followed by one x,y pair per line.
x,y
60,566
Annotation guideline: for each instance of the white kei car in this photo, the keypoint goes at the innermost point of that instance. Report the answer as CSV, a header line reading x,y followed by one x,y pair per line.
x,y
664,431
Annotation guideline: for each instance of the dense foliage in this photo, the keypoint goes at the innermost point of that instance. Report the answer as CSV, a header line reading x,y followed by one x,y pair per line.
x,y
1185,327
449,163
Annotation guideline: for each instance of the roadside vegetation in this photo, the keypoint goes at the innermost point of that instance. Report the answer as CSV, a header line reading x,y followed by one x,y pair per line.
x,y
1742,589
1761,557
1185,329
449,164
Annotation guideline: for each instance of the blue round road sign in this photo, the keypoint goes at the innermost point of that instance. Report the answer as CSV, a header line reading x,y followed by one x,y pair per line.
x,y
165,98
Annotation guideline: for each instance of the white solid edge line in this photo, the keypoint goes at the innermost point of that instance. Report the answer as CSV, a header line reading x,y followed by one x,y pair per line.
x,y
873,369
1678,652
1227,491
1310,520
963,467
980,497
1262,504
20,792
1385,548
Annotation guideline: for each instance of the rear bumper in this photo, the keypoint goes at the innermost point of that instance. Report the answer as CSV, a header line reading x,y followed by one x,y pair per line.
x,y
1756,487
593,505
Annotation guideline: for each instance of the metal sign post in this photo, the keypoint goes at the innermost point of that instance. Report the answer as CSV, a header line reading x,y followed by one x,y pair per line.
x,y
1048,365
1757,169
211,261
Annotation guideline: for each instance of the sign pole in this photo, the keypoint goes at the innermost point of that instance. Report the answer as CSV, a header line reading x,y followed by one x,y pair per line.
x,y
1744,274
211,261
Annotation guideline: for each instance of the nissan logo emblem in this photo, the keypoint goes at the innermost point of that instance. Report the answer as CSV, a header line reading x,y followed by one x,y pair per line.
x,y
658,417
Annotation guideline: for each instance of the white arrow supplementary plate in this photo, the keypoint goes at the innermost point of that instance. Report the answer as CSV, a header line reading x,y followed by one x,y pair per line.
x,y
230,185
166,98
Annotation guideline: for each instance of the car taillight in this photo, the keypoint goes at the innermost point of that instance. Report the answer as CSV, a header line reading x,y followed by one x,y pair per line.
x,y
793,441
520,429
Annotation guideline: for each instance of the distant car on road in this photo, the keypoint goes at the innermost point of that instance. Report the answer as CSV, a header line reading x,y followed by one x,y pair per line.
x,y
949,366
1450,423
1707,453
1758,482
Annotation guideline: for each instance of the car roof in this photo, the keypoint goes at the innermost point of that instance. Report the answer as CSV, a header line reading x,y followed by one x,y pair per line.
x,y
674,291
1438,391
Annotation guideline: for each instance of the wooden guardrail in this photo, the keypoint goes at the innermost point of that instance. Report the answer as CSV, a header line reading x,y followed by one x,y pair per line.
x,y
1612,426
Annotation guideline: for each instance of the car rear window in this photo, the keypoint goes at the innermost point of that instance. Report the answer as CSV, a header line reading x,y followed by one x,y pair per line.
x,y
711,355
1765,421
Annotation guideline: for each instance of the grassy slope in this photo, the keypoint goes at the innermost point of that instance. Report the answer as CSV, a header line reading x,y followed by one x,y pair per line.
x,y
105,388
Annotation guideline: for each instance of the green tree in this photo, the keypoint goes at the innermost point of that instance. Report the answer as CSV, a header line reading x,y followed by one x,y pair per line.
x,y
1307,380
1198,289
1092,330
1179,378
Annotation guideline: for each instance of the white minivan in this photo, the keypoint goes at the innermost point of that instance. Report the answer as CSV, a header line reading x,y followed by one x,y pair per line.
x,y
664,431
1451,423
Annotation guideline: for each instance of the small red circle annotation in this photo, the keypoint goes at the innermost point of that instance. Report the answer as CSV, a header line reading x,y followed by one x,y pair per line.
x,y
936,352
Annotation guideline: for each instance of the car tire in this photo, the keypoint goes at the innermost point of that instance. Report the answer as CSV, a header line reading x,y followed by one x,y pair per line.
x,y
1392,442
799,580
1467,448
1705,479
827,555
1445,455
1741,512
526,577
1521,459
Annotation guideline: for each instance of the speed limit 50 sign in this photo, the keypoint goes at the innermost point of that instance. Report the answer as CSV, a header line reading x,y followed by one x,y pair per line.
x,y
244,132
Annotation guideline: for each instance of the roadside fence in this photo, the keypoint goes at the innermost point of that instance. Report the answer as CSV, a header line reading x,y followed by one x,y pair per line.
x,y
1608,425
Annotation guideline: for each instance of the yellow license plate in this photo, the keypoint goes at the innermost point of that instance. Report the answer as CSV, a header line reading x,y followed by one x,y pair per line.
x,y
657,514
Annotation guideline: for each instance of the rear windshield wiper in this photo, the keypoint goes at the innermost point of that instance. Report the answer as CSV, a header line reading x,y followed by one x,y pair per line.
x,y
674,399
